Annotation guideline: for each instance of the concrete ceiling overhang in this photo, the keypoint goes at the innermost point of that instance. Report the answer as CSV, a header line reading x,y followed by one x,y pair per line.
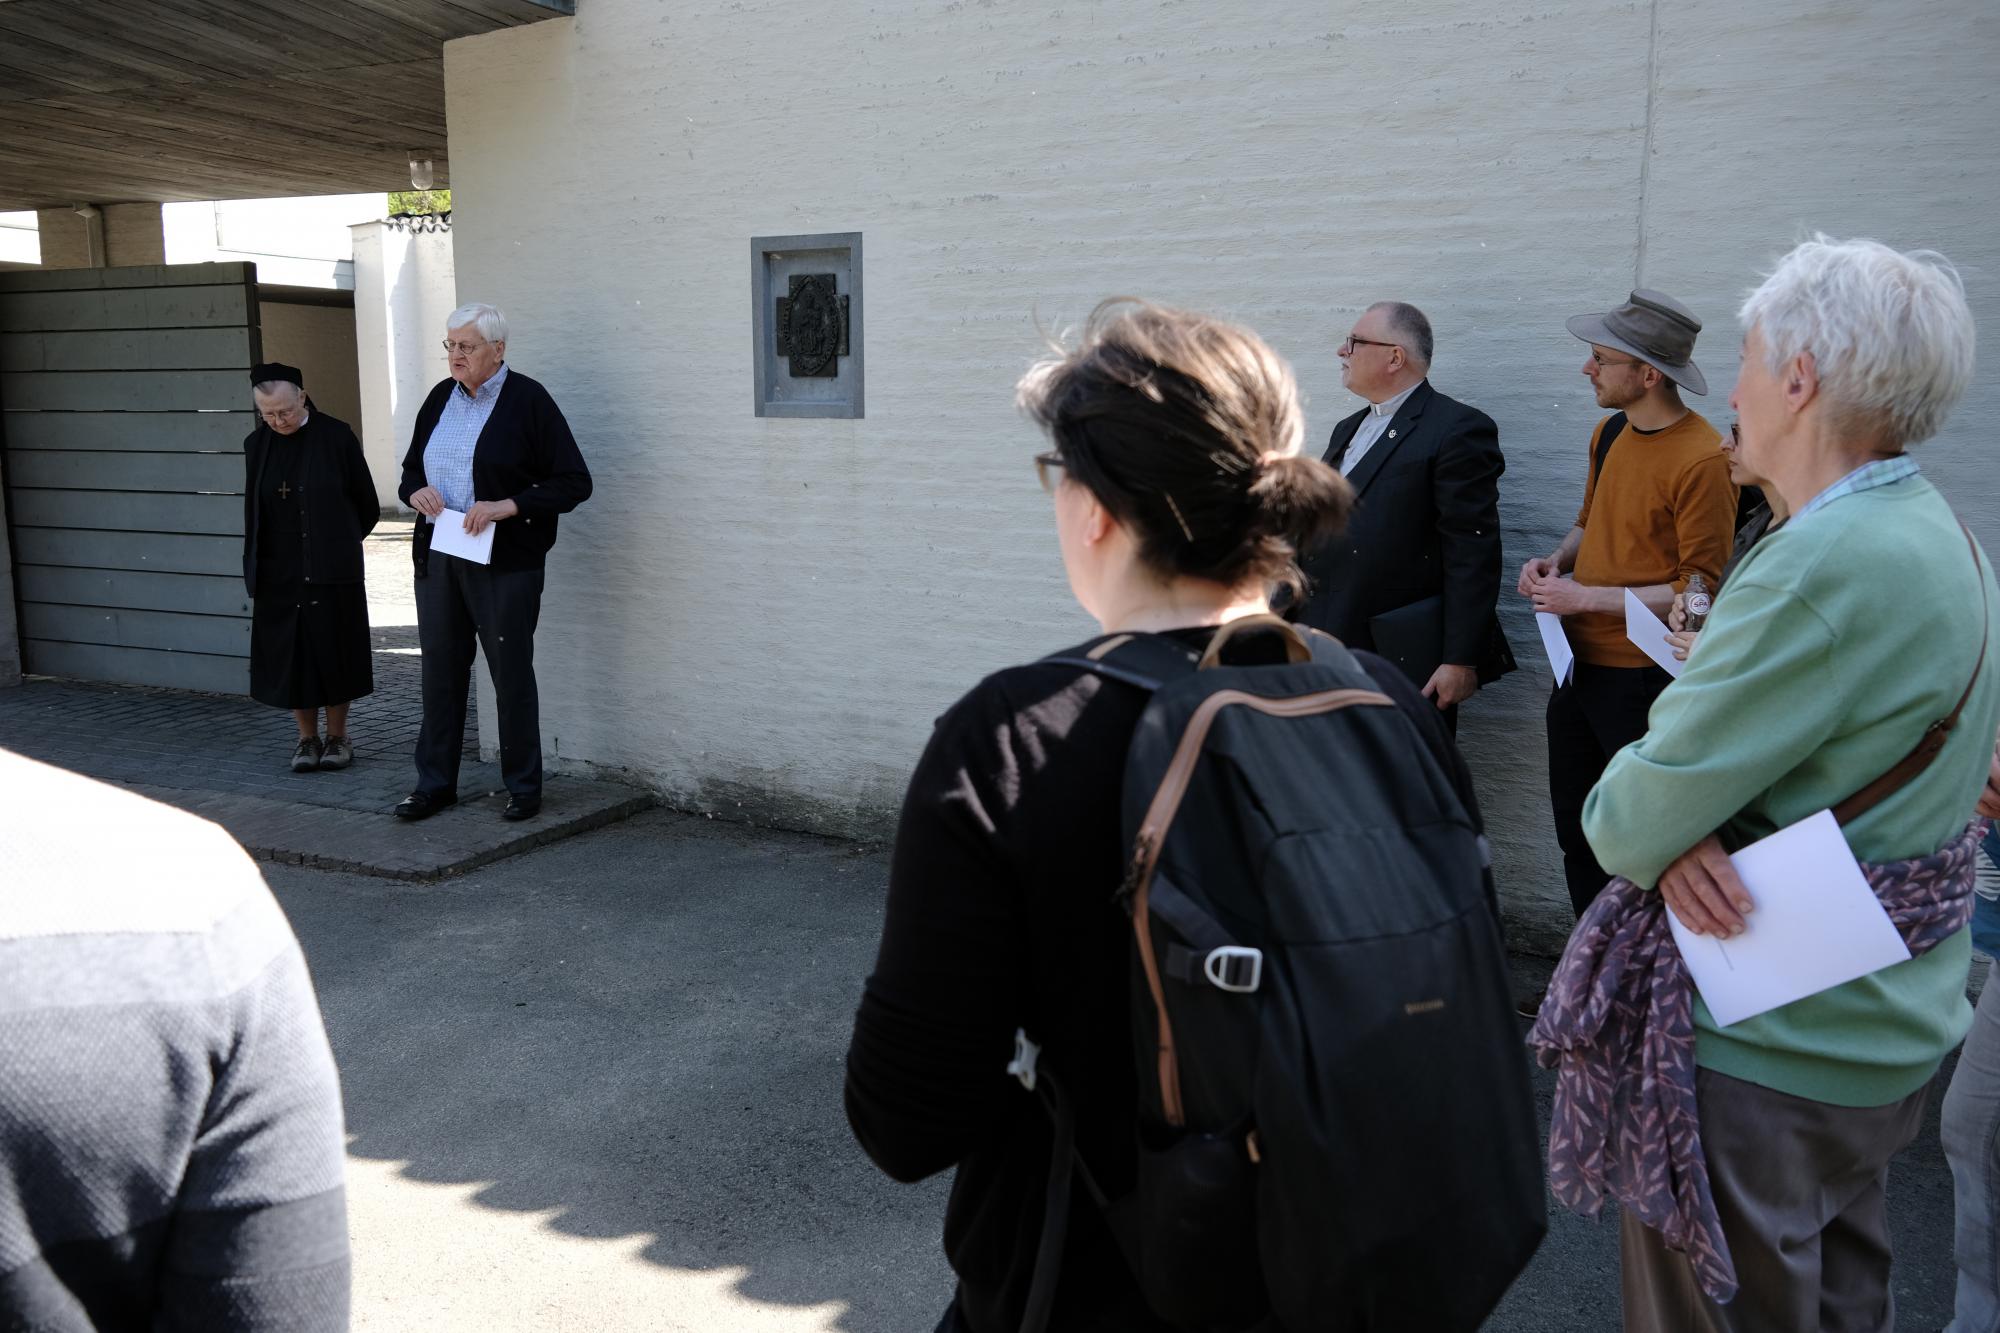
x,y
117,100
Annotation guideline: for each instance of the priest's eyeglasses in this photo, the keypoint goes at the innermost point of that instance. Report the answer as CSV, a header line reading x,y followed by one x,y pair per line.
x,y
465,349
1043,462
1347,347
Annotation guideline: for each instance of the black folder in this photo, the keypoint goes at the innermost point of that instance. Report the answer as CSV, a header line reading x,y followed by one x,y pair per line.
x,y
1412,637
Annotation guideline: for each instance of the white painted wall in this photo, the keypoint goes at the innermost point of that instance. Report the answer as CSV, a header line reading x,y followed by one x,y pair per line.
x,y
763,616
302,242
404,290
20,239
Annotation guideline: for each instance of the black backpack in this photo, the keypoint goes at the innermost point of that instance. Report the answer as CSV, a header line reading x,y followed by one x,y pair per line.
x,y
1336,1127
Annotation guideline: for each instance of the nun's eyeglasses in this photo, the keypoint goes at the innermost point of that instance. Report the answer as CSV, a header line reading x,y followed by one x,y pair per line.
x,y
1043,462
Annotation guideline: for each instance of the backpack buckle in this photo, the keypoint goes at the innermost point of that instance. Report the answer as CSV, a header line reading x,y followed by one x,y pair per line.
x,y
1234,967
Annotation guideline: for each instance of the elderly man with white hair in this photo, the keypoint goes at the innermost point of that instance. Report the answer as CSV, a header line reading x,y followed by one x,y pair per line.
x,y
490,448
1846,668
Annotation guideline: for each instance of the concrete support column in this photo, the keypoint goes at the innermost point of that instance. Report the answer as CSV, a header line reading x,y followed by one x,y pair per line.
x,y
102,236
404,289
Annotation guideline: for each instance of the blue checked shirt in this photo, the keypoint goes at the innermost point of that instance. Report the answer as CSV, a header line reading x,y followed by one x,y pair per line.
x,y
448,452
1881,472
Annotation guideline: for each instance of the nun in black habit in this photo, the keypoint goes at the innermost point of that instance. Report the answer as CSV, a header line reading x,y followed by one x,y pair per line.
x,y
307,503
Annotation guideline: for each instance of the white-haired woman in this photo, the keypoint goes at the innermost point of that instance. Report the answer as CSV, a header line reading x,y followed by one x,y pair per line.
x,y
490,448
1751,1159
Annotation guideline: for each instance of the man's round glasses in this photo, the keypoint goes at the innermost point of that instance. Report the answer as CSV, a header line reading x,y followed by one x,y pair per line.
x,y
465,349
1603,360
1043,462
1347,348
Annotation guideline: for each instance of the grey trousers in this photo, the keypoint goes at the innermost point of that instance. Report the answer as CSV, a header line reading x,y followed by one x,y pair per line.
x,y
1971,1131
1800,1186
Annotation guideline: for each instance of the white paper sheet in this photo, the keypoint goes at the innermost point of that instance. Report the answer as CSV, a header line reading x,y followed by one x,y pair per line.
x,y
1562,660
1817,924
452,538
1649,633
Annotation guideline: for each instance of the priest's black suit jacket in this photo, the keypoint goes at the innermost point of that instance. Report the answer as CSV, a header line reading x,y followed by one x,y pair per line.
x,y
1426,524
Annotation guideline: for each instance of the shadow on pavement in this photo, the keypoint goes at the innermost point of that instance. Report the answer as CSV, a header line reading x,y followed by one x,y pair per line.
x,y
642,1029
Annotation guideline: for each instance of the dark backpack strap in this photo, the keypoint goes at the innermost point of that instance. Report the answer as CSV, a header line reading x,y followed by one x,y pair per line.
x,y
1614,426
1937,733
1055,1208
1146,661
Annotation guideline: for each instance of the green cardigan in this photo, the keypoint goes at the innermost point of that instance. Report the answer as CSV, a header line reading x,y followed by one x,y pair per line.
x,y
1835,643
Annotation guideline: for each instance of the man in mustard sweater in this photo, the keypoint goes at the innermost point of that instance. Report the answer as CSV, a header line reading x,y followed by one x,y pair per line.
x,y
1658,506
1838,639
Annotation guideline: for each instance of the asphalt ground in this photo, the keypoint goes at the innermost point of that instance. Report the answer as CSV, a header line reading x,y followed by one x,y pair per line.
x,y
596,1086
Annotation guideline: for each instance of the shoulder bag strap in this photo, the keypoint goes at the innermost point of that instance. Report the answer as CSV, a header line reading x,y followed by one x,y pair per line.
x,y
1917,760
1614,426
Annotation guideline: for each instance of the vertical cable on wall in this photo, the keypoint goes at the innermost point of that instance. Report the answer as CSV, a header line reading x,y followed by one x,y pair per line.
x,y
1646,152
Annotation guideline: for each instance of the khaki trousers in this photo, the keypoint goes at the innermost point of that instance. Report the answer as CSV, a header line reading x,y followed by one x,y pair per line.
x,y
1800,1186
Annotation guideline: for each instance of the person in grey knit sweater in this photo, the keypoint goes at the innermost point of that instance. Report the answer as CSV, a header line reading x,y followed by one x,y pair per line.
x,y
171,1146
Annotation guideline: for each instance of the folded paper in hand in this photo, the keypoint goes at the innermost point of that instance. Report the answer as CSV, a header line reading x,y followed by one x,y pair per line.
x,y
1649,634
1562,659
450,537
1817,924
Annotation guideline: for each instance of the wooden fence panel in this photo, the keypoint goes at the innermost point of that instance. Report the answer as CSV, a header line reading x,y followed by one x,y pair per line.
x,y
139,666
222,636
134,589
141,432
75,470
126,400
165,552
126,349
217,515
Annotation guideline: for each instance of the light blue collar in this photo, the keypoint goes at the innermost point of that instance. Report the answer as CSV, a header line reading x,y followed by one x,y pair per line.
x,y
1880,472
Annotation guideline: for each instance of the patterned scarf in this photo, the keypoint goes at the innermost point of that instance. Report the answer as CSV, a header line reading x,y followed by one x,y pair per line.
x,y
1619,1024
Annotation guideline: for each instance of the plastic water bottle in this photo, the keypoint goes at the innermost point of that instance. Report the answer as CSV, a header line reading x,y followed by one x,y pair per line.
x,y
1699,601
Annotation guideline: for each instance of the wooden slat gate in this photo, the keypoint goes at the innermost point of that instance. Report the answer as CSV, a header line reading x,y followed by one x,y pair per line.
x,y
124,400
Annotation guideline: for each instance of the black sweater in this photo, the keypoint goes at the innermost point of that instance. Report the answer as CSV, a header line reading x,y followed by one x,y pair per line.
x,y
1000,915
335,489
525,454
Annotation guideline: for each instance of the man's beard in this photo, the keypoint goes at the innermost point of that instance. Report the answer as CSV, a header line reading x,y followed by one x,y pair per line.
x,y
1614,402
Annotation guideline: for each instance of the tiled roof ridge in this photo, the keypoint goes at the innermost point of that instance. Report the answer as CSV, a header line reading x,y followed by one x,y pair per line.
x,y
420,222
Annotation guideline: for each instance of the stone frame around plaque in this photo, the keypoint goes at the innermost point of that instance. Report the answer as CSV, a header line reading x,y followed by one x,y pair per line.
x,y
810,365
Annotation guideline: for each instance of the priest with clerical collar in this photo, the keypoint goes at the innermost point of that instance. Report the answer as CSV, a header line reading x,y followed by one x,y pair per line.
x,y
307,503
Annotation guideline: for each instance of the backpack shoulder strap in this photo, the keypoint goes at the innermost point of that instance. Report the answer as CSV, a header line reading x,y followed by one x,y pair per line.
x,y
1146,661
1614,426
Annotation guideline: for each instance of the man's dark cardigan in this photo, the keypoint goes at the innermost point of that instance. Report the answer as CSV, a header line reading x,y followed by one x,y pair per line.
x,y
525,454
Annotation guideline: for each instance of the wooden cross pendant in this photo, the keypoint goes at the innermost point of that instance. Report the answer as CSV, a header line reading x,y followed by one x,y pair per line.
x,y
284,490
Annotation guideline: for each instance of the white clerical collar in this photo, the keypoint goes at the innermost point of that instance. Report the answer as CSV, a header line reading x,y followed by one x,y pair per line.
x,y
1388,406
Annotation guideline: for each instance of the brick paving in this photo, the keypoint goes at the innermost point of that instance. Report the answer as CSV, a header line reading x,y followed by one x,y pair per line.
x,y
228,758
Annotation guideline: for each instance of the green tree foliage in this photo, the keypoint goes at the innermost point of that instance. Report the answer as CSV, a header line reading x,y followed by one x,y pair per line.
x,y
419,201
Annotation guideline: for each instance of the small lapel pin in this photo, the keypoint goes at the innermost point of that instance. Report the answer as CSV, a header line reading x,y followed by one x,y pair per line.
x,y
1392,434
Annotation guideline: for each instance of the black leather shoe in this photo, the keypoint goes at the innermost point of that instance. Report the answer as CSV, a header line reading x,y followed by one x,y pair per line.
x,y
522,807
424,804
